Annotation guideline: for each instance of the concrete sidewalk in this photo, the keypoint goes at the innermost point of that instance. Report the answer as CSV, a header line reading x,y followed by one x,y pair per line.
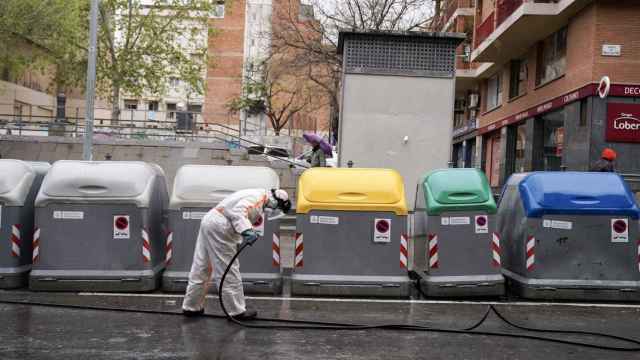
x,y
37,332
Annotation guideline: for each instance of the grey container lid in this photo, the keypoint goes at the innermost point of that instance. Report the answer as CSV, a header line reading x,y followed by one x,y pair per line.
x,y
207,185
99,182
16,178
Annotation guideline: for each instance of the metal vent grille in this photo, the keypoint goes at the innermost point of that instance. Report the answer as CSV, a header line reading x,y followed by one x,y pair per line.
x,y
400,56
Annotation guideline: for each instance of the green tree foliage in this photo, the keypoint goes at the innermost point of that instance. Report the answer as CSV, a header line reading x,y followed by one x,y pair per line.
x,y
140,46
37,34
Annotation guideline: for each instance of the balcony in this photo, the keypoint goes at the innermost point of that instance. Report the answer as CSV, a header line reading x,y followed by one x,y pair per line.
x,y
516,25
452,10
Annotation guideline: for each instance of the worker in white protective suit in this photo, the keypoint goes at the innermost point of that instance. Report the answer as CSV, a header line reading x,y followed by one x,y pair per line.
x,y
222,229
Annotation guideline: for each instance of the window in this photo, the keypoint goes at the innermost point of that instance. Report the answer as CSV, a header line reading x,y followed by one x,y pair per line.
x,y
458,120
174,82
131,104
518,78
218,11
153,106
520,144
171,111
494,92
194,108
552,57
306,12
492,159
553,140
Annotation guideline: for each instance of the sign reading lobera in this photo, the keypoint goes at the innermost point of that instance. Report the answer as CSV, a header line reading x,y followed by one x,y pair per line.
x,y
623,122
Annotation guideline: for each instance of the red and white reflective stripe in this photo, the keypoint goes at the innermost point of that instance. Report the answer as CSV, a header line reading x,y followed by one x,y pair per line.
x,y
146,246
404,253
298,262
495,249
531,255
169,248
36,245
275,250
16,240
433,251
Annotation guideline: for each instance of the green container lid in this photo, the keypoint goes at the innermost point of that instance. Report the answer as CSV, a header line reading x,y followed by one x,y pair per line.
x,y
457,190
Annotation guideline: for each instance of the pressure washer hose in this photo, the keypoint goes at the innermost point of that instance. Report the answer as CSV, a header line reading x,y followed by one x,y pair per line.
x,y
317,325
284,324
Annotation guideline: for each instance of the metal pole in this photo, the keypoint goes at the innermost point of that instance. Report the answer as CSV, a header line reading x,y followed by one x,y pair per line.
x,y
91,83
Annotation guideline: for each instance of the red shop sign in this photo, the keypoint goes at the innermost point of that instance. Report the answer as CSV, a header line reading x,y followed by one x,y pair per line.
x,y
623,122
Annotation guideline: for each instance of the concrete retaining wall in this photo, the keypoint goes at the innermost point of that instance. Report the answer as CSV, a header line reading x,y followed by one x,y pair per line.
x,y
169,155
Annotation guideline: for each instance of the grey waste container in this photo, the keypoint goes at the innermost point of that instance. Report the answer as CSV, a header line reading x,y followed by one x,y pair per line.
x,y
351,234
570,235
19,184
99,227
456,246
197,189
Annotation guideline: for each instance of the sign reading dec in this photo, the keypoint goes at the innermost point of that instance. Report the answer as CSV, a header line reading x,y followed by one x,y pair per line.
x,y
382,231
121,227
623,122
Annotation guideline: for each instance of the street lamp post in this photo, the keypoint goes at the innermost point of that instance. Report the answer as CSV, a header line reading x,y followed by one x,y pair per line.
x,y
91,83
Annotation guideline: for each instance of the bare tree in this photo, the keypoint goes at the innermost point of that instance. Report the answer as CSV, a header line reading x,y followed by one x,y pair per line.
x,y
314,39
272,88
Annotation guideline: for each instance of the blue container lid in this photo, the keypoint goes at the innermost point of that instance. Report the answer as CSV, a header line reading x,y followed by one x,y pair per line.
x,y
581,193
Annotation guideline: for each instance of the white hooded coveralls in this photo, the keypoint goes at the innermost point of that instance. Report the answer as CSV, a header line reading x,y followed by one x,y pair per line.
x,y
217,243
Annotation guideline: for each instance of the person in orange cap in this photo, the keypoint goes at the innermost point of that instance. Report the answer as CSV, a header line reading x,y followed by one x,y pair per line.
x,y
606,162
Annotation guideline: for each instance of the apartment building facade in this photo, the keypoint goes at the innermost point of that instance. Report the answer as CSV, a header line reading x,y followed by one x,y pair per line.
x,y
537,95
243,39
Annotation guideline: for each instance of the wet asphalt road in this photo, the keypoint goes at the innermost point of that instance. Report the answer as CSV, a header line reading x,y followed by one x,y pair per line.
x,y
38,332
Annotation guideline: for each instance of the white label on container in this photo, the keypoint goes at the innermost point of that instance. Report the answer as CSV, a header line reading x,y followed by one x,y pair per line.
x,y
482,224
328,220
193,215
69,215
564,225
382,230
444,221
619,230
460,220
313,219
557,224
121,227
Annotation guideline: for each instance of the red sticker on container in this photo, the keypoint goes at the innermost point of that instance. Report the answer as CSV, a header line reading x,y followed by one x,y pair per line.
x,y
121,227
619,230
382,231
482,224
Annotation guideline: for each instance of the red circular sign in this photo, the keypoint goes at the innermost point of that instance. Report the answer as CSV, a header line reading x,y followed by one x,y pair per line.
x,y
122,223
382,226
481,221
258,222
619,226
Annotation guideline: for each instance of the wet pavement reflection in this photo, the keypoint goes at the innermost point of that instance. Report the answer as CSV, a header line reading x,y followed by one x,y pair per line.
x,y
38,332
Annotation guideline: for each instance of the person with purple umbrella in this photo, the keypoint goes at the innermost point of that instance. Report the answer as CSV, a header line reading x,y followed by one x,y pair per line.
x,y
319,154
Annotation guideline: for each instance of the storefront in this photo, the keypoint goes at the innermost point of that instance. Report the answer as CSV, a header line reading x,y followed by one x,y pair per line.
x,y
566,133
463,152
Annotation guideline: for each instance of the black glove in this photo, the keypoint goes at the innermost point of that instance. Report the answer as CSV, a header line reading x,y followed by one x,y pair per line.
x,y
249,237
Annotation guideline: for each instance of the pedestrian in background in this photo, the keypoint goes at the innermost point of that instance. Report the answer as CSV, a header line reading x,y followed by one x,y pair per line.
x,y
606,162
321,149
318,158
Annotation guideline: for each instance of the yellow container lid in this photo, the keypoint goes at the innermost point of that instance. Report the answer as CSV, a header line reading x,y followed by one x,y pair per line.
x,y
349,189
